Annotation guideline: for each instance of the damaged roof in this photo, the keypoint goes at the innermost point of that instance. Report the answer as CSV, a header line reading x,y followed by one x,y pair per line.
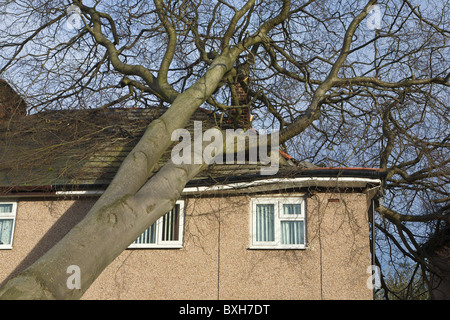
x,y
83,149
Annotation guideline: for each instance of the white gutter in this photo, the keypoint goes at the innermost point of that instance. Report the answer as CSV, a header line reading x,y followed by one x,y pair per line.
x,y
312,180
241,185
80,193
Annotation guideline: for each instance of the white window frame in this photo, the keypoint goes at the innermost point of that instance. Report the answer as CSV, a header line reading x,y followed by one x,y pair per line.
x,y
159,243
278,218
9,216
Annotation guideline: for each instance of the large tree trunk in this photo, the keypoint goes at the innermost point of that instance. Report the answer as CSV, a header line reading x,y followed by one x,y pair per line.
x,y
130,204
100,237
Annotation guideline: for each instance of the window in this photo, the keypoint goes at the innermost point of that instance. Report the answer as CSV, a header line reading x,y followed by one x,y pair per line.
x,y
166,232
278,223
7,222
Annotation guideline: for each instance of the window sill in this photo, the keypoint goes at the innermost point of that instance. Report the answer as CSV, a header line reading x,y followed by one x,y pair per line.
x,y
277,248
140,247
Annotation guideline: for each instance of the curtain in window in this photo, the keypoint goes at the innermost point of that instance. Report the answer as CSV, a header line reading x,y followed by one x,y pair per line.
x,y
265,222
291,209
5,208
170,225
292,232
148,236
6,231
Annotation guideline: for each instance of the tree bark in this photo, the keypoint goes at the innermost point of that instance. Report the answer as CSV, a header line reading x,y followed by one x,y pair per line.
x,y
107,230
129,205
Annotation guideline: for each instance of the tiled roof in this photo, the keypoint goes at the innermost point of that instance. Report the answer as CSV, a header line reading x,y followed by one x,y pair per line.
x,y
84,148
71,147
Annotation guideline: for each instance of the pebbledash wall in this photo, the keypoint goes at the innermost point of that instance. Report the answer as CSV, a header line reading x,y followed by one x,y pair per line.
x,y
216,261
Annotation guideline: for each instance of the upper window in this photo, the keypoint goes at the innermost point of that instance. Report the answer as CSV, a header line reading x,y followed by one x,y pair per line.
x,y
278,223
166,232
7,222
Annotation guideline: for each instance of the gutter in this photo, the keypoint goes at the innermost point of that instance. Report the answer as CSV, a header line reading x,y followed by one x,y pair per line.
x,y
303,181
329,172
330,176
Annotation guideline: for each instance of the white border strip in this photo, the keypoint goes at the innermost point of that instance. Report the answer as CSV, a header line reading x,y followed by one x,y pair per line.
x,y
279,180
80,193
241,185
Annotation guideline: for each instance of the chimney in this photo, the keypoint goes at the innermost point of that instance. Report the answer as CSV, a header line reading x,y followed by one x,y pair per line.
x,y
11,103
243,114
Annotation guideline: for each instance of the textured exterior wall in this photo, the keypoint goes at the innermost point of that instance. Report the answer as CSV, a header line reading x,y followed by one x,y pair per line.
x,y
39,225
215,261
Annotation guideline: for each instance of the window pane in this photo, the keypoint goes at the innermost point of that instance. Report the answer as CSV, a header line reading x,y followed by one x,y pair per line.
x,y
6,231
170,225
5,208
291,209
265,222
148,236
292,232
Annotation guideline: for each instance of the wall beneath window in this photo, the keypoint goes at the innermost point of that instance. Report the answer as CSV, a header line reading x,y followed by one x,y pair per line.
x,y
215,260
39,225
186,273
333,266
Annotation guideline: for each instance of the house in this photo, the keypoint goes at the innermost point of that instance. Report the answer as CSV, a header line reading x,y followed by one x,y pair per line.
x,y
302,233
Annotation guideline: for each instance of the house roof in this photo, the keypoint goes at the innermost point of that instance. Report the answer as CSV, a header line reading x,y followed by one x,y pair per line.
x,y
83,149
